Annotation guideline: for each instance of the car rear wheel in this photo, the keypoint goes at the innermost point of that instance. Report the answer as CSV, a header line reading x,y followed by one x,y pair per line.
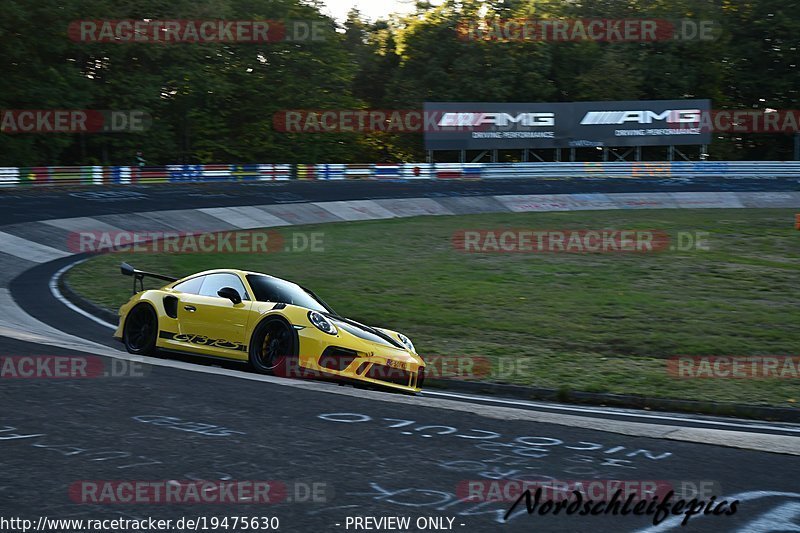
x,y
141,330
274,348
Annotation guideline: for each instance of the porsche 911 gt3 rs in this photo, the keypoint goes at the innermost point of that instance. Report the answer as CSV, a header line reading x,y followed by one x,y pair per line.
x,y
279,327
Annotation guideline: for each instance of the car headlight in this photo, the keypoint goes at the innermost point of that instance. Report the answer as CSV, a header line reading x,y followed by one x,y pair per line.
x,y
407,342
322,323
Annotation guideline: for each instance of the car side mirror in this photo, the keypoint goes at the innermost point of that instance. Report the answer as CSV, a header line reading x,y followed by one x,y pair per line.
x,y
231,294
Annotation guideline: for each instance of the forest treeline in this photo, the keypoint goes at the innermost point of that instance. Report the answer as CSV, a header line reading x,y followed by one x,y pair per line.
x,y
215,102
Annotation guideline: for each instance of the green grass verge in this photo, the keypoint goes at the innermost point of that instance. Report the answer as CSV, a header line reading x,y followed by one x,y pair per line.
x,y
595,323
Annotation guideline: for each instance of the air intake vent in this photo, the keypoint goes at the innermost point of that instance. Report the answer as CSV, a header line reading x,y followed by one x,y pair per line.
x,y
171,306
339,359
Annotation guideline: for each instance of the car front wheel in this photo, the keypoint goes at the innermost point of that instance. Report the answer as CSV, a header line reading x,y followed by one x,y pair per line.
x,y
274,348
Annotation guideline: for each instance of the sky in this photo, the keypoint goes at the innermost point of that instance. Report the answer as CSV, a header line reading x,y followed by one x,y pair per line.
x,y
372,9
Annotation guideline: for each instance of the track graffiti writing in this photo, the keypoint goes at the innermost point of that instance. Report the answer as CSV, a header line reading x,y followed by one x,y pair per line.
x,y
422,499
536,447
518,458
177,424
121,459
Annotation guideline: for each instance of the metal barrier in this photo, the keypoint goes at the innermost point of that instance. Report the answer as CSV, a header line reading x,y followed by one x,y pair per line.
x,y
96,175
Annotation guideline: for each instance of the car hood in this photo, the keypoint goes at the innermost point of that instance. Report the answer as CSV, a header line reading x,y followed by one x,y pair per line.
x,y
367,333
380,336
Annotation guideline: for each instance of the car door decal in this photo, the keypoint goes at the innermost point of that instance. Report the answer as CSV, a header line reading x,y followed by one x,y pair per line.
x,y
201,340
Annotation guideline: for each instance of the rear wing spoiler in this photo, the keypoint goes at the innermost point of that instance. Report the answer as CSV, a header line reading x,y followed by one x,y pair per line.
x,y
139,275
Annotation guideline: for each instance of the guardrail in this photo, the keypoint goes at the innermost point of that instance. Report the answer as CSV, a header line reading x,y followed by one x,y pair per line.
x,y
97,175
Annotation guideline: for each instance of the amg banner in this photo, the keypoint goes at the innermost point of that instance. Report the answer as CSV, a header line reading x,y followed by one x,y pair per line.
x,y
488,126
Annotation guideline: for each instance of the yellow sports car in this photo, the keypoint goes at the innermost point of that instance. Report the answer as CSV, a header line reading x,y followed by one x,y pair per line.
x,y
279,327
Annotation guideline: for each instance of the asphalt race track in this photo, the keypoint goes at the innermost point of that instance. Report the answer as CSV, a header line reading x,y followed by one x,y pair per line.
x,y
29,204
89,430
333,453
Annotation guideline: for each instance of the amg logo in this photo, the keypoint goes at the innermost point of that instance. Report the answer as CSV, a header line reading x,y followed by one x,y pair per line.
x,y
530,120
676,116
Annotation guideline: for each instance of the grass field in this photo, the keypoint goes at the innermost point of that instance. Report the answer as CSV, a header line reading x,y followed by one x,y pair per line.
x,y
581,322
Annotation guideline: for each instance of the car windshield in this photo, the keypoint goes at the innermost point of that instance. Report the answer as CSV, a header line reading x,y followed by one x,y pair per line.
x,y
269,289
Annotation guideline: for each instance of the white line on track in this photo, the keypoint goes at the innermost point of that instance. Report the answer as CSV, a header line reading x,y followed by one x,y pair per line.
x,y
609,412
60,297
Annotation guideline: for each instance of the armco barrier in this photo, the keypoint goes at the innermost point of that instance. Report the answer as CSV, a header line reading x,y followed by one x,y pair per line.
x,y
97,175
